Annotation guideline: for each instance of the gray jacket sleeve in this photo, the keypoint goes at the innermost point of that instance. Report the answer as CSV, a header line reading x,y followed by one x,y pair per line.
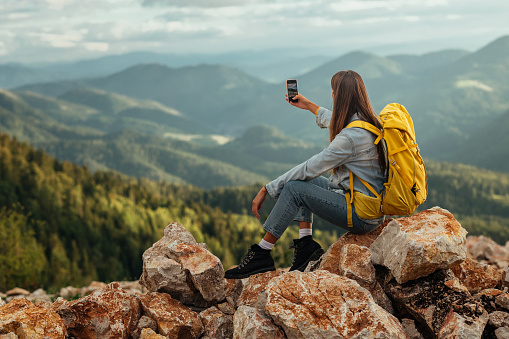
x,y
337,153
323,117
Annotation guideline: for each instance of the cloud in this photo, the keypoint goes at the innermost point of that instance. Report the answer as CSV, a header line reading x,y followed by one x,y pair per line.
x,y
60,40
58,4
96,46
201,3
38,29
3,50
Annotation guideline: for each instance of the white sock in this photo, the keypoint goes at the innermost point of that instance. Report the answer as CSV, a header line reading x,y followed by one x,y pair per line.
x,y
265,245
305,232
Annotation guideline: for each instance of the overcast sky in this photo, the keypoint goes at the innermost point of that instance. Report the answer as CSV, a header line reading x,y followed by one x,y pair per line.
x,y
55,30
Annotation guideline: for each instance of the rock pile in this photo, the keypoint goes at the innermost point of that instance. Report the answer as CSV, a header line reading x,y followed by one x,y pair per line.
x,y
415,277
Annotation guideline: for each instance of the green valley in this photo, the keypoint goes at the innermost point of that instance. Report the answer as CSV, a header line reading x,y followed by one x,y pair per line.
x,y
67,225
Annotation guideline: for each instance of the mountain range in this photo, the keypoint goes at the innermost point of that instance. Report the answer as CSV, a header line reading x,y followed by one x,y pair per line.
x,y
162,122
269,65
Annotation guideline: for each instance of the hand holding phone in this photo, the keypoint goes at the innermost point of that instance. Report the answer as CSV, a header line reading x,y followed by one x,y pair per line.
x,y
302,102
291,90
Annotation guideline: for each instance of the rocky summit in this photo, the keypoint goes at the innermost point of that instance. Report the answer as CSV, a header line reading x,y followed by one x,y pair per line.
x,y
413,277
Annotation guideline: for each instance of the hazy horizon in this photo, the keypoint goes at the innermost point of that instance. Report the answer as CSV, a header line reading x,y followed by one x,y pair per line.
x,y
72,30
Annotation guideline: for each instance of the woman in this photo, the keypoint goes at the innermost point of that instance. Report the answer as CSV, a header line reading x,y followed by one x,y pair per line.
x,y
302,191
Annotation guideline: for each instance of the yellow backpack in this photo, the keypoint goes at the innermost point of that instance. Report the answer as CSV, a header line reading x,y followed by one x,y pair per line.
x,y
406,187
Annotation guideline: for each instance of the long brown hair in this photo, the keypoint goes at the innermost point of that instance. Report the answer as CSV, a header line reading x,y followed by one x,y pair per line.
x,y
350,97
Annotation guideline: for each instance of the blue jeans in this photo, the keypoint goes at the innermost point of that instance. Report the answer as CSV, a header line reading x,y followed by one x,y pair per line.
x,y
300,199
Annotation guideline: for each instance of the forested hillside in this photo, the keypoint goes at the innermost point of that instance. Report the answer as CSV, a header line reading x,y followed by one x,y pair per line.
x,y
60,224
487,147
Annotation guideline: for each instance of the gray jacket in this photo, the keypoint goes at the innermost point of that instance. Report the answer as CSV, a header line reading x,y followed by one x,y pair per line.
x,y
352,149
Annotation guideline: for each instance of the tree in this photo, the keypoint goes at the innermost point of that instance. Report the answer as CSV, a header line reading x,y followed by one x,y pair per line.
x,y
22,260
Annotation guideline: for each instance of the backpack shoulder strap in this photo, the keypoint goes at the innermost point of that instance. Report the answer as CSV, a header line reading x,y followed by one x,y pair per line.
x,y
350,195
367,126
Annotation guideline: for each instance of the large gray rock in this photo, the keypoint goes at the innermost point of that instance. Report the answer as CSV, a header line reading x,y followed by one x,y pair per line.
x,y
417,246
179,266
321,304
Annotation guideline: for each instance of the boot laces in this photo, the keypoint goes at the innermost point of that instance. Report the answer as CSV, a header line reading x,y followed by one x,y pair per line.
x,y
294,253
245,260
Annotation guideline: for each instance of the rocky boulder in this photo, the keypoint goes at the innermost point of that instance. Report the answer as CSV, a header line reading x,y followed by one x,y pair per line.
x,y
330,258
217,325
499,319
502,300
355,263
477,276
435,301
490,299
20,318
109,312
462,326
486,250
321,304
417,246
174,320
410,329
148,333
70,292
253,293
496,303
252,323
16,293
144,323
504,281
39,295
234,288
181,267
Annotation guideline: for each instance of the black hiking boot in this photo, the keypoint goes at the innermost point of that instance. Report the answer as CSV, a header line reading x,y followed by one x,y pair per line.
x,y
306,250
257,260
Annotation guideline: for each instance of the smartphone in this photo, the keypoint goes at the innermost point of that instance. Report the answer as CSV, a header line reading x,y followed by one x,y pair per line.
x,y
291,90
